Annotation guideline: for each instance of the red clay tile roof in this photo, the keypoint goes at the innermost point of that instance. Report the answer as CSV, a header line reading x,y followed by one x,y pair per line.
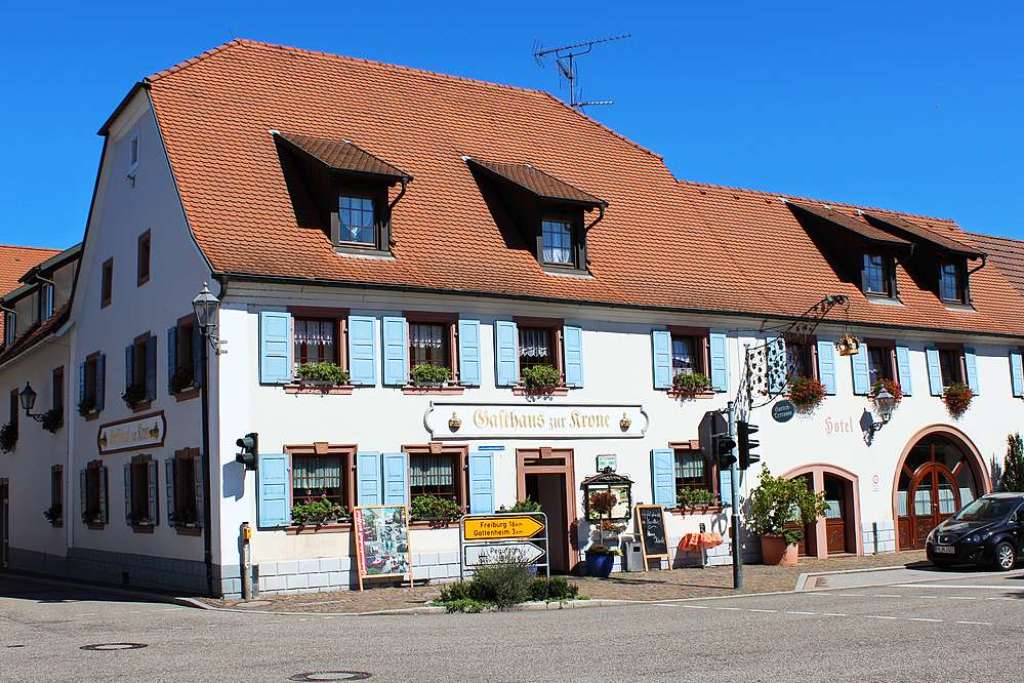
x,y
852,223
36,334
662,244
15,262
342,155
537,182
1004,253
943,241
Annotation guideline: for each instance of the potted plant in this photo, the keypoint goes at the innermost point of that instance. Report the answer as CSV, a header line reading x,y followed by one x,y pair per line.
x,y
8,437
135,395
890,385
317,512
87,407
54,515
438,511
526,505
53,419
693,499
541,378
601,556
689,384
806,393
430,375
323,374
183,379
957,397
773,504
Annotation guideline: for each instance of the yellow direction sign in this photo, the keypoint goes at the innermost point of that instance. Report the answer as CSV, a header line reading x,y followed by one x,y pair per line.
x,y
501,527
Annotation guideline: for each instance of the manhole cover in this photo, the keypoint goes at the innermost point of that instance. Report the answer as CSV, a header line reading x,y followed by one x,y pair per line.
x,y
331,676
104,647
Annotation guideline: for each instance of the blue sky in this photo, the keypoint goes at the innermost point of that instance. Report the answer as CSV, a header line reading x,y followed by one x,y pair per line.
x,y
910,105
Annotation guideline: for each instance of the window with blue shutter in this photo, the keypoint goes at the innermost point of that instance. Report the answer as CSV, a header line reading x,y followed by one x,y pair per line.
x,y
506,353
934,372
396,487
275,347
169,487
151,367
572,340
396,351
827,366
719,361
661,352
1017,373
368,479
903,369
129,367
273,504
362,351
861,376
481,483
172,356
971,364
153,495
469,353
663,477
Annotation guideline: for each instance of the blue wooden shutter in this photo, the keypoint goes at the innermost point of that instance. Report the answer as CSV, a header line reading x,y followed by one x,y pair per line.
x,y
197,468
275,347
172,355
396,351
151,367
104,507
128,493
971,363
153,493
506,353
362,351
272,501
83,492
719,362
469,353
129,366
903,368
368,482
725,486
197,355
169,488
81,383
861,377
776,354
934,372
396,488
663,476
1017,373
572,340
101,381
827,366
661,352
481,483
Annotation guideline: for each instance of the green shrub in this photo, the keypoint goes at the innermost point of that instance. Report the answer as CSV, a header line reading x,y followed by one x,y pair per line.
x,y
317,512
541,377
504,581
430,508
451,592
778,501
556,588
690,383
521,506
466,606
692,497
325,371
428,374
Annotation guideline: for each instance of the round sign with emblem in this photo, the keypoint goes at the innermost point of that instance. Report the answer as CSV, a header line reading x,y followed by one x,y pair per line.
x,y
783,411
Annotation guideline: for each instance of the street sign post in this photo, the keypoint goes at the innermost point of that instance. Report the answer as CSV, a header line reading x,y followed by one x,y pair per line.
x,y
486,538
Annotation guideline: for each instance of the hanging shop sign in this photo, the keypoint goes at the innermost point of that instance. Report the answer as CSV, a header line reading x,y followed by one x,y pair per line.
x,y
452,420
486,539
382,542
145,431
783,411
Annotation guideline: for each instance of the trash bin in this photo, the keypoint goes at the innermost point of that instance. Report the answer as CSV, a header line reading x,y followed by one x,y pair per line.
x,y
633,554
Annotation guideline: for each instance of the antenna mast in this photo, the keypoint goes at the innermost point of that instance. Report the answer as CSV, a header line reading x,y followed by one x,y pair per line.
x,y
565,60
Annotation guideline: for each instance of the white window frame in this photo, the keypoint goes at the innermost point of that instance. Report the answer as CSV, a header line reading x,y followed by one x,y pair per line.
x,y
133,160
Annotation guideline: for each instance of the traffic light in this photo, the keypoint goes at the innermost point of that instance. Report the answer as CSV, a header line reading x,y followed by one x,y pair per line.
x,y
744,431
250,445
724,445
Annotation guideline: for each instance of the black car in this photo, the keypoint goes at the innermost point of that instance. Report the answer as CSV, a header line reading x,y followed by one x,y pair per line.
x,y
988,531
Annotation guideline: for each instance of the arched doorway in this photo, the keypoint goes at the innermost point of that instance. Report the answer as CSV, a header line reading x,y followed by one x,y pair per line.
x,y
837,532
940,473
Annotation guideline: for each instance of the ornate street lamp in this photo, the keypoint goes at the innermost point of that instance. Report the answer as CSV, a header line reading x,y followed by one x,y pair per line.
x,y
885,402
27,397
206,306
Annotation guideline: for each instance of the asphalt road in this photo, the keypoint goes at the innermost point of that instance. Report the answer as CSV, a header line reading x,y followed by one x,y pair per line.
x,y
958,629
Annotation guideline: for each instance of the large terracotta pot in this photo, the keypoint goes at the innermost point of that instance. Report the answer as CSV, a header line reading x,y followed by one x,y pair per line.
x,y
775,551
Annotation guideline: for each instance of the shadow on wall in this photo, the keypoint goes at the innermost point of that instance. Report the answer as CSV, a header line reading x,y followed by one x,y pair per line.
x,y
233,476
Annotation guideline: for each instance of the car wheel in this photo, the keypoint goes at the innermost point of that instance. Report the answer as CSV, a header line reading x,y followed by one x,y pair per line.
x,y
1005,557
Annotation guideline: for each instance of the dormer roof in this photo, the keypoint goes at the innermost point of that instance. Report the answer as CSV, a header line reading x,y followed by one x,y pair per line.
x,y
342,155
853,225
538,183
920,232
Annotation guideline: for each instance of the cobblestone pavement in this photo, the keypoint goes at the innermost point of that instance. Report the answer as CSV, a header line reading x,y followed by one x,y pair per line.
x,y
654,585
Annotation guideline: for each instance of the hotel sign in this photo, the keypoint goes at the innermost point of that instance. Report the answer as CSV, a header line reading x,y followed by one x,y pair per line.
x,y
132,434
453,420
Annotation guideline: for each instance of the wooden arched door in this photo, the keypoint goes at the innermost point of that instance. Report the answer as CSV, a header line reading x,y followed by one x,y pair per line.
x,y
935,481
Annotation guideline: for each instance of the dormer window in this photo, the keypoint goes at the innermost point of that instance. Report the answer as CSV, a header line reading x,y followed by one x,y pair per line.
x,y
878,275
356,220
10,327
557,242
951,283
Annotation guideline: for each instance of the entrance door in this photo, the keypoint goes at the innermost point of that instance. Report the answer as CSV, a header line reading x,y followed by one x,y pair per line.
x,y
545,475
836,516
936,480
808,545
5,523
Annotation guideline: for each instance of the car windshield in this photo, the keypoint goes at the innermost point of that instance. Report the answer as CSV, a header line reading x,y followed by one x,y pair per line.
x,y
987,510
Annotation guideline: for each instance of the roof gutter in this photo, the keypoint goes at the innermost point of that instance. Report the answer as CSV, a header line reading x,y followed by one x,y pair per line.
x,y
225,277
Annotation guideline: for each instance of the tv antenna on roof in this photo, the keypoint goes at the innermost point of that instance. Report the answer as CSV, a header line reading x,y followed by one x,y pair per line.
x,y
565,60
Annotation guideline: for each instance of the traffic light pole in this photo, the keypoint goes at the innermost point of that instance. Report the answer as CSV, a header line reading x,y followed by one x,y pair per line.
x,y
734,471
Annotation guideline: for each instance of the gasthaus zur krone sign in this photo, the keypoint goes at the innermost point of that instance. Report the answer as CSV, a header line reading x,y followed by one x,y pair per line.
x,y
495,538
456,420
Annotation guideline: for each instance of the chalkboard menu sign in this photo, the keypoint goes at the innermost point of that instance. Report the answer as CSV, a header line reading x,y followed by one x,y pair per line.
x,y
382,542
651,522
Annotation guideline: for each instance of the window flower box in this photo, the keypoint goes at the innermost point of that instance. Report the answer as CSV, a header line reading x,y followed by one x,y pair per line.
x,y
697,501
318,513
541,379
689,385
323,378
428,375
182,380
957,397
135,396
8,437
87,408
54,515
806,393
438,512
53,419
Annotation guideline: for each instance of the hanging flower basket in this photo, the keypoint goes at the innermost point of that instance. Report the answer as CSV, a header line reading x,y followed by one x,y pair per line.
x,y
806,393
890,385
958,398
